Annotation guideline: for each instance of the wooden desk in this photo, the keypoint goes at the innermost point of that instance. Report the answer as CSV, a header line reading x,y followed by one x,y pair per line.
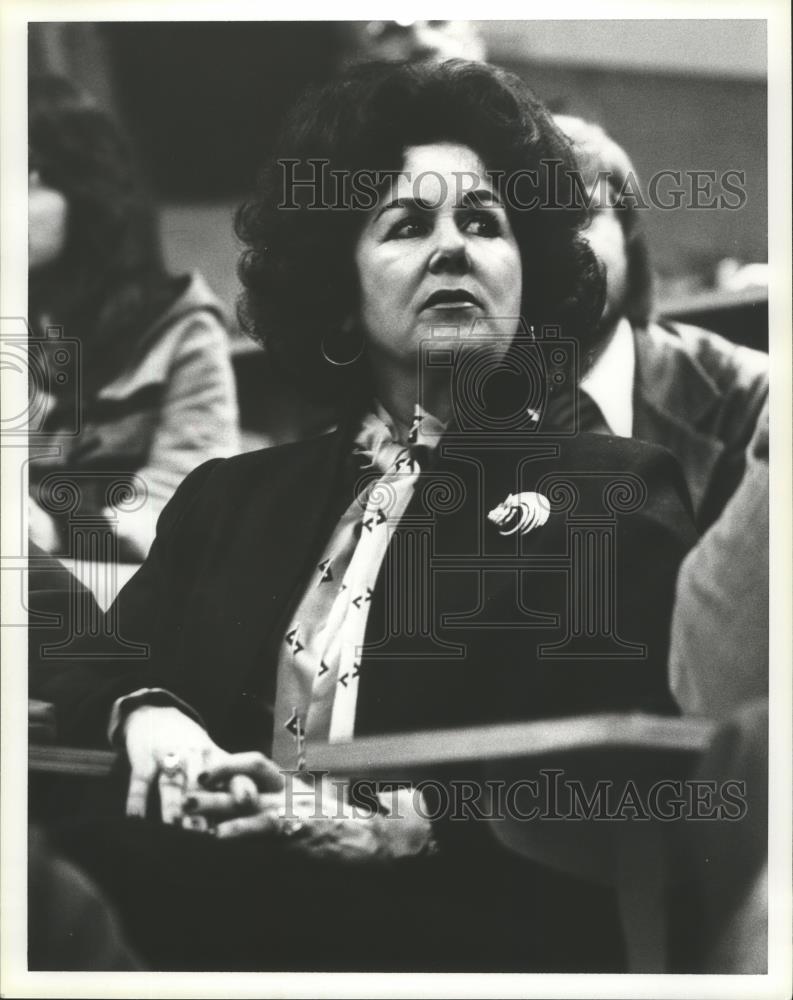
x,y
72,761
629,854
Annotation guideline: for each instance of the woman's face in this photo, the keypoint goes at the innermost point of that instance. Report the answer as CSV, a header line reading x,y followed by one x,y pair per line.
x,y
48,213
437,259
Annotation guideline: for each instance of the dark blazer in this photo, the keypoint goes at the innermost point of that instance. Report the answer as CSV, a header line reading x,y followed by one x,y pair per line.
x,y
466,626
700,396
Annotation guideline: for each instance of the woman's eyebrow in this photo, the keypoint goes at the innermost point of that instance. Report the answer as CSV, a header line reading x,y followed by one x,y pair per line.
x,y
481,198
417,203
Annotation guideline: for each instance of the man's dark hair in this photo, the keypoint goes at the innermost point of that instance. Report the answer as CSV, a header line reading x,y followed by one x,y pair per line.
x,y
599,155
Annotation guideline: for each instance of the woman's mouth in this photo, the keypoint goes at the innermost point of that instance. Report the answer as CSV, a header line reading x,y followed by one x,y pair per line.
x,y
452,298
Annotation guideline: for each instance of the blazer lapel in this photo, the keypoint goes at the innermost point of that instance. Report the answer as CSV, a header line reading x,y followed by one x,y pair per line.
x,y
286,515
444,586
491,470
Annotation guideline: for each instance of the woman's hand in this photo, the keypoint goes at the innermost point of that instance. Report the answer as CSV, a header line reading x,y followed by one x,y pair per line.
x,y
166,745
246,794
316,818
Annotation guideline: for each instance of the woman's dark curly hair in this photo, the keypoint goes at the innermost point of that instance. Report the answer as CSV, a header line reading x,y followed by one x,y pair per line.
x,y
109,283
298,267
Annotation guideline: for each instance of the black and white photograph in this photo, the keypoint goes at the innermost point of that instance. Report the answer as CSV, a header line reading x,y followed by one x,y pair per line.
x,y
396,543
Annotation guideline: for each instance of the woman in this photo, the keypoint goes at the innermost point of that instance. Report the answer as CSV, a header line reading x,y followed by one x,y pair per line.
x,y
132,383
381,577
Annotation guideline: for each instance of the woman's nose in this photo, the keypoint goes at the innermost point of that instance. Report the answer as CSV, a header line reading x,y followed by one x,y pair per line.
x,y
450,252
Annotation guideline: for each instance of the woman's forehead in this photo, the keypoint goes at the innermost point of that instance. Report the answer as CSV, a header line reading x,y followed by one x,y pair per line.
x,y
440,171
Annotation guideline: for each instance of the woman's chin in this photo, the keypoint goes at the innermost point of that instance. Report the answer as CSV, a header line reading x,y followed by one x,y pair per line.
x,y
466,331
476,339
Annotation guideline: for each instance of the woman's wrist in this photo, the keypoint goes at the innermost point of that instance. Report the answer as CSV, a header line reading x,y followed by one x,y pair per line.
x,y
404,828
401,837
141,714
124,707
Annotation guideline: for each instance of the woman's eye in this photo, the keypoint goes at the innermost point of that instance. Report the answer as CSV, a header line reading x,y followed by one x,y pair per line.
x,y
482,224
407,229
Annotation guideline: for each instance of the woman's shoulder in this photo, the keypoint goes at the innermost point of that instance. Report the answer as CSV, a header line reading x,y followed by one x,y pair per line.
x,y
193,325
266,480
609,455
192,299
298,456
587,453
194,304
626,475
584,452
596,451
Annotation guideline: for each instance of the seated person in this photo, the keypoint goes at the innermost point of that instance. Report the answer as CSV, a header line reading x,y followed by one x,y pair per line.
x,y
137,390
718,659
410,569
718,665
726,859
685,388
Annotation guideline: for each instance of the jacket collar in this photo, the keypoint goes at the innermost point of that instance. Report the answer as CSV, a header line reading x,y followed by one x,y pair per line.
x,y
673,398
155,349
196,295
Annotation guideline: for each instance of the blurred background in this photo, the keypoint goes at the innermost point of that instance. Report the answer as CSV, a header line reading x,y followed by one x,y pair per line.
x,y
202,102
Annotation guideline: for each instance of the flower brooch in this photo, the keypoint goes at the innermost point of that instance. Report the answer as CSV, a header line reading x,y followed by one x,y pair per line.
x,y
521,512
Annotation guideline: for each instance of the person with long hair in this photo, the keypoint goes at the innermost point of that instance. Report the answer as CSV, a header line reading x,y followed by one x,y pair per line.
x,y
132,386
418,566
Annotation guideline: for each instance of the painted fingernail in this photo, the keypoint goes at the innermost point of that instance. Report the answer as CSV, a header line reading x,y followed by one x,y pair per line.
x,y
191,804
203,779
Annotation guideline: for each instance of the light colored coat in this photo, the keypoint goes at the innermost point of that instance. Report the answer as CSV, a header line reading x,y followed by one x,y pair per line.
x,y
172,409
700,396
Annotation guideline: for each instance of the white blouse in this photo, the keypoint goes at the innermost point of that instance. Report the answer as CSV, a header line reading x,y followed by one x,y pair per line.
x,y
320,657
